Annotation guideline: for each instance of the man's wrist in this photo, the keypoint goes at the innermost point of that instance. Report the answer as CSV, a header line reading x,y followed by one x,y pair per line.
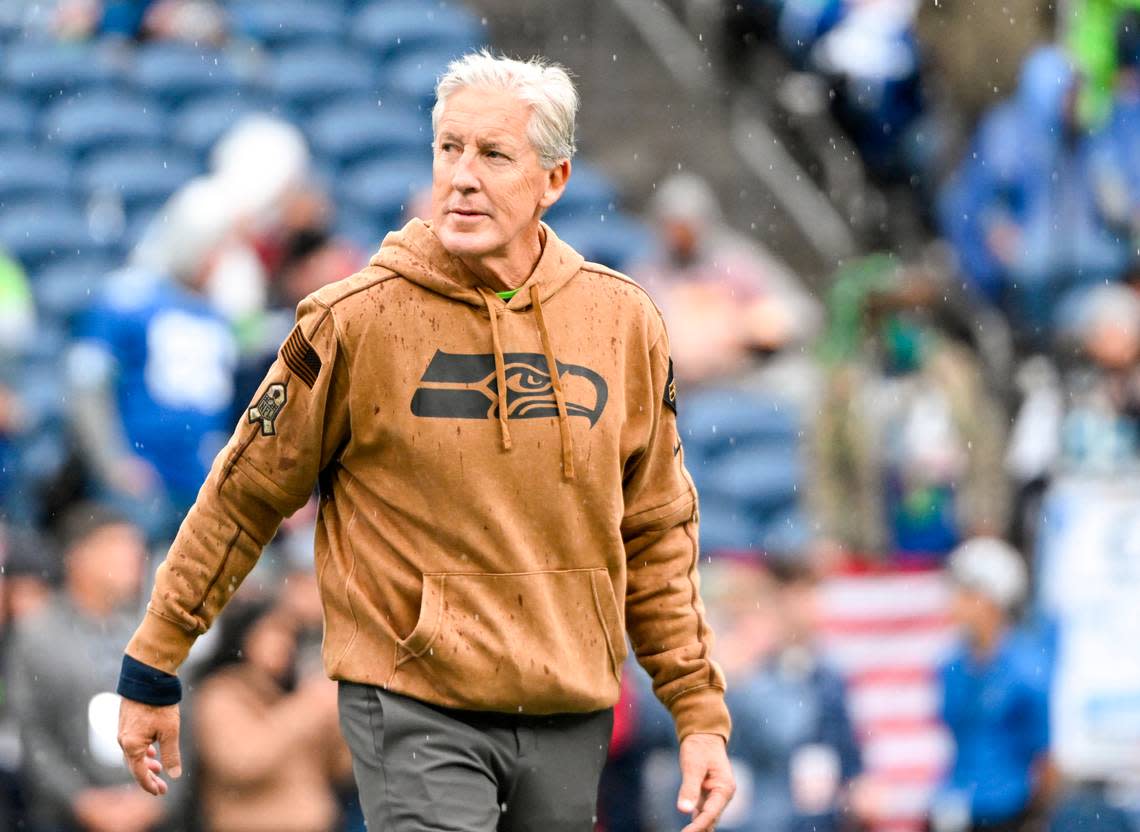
x,y
149,685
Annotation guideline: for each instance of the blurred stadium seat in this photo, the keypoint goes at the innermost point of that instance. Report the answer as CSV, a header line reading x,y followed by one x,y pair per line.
x,y
413,74
588,194
140,180
17,118
104,120
390,29
64,288
173,72
44,69
611,239
349,131
306,77
28,173
200,122
283,24
381,189
37,233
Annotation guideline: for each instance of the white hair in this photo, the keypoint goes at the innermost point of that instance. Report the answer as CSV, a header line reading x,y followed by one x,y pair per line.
x,y
544,85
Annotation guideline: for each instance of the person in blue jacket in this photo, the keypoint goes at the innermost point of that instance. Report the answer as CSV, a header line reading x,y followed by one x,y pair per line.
x,y
1021,211
152,373
995,698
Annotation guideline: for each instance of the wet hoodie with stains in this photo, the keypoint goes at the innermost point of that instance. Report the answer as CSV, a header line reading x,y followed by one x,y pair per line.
x,y
489,530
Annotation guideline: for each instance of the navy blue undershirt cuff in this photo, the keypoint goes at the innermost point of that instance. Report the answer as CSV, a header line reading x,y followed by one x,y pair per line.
x,y
147,684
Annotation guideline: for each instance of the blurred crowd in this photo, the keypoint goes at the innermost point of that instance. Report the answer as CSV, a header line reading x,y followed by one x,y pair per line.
x,y
905,477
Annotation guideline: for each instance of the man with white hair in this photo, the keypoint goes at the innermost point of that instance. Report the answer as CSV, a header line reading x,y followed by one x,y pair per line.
x,y
492,425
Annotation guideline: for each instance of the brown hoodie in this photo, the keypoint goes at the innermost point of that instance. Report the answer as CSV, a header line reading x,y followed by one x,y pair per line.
x,y
488,531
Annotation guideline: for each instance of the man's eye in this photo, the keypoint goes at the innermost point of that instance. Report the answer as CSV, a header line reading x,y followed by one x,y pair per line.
x,y
494,154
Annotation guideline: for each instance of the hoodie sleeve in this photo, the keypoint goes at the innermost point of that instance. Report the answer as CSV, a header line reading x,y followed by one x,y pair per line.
x,y
665,616
295,425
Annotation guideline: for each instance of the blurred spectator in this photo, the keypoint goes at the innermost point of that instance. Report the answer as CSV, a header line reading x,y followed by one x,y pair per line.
x,y
1102,37
263,163
871,58
1115,144
1086,418
722,294
791,729
62,669
995,698
907,444
152,368
17,329
269,749
29,572
313,258
1021,210
193,21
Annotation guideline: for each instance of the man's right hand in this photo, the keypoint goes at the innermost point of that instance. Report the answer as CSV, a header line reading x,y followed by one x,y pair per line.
x,y
141,726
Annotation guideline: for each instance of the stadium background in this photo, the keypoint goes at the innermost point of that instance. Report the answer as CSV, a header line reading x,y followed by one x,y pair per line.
x,y
894,241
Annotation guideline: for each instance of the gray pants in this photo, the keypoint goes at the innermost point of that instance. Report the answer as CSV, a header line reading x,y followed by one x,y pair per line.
x,y
420,768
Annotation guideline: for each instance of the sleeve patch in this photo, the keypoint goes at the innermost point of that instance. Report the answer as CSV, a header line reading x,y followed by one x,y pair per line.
x,y
266,410
300,357
671,390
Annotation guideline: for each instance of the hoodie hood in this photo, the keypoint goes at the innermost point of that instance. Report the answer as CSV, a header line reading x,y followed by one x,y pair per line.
x,y
1046,78
416,254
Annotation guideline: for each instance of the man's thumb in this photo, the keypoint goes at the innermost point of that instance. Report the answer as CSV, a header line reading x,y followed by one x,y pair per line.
x,y
171,758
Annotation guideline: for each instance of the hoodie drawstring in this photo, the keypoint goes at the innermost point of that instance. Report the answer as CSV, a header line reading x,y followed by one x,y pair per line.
x,y
559,398
500,369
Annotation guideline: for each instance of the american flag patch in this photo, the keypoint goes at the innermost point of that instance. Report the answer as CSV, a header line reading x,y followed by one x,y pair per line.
x,y
300,357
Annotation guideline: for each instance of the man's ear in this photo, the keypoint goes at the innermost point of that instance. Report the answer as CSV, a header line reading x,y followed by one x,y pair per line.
x,y
556,179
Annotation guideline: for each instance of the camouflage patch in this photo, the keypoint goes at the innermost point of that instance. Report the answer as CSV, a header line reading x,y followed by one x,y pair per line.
x,y
267,409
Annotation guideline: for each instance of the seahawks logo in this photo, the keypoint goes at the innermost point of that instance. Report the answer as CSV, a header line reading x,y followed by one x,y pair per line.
x,y
457,386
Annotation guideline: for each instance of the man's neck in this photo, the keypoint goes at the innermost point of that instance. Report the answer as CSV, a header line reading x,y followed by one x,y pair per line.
x,y
511,269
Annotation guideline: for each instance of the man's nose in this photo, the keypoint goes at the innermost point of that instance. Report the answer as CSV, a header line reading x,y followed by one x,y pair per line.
x,y
463,176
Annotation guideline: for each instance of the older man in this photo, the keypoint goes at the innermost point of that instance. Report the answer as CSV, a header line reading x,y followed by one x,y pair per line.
x,y
491,422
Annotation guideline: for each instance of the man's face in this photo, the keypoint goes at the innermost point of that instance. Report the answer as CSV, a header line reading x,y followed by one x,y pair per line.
x,y
111,562
488,187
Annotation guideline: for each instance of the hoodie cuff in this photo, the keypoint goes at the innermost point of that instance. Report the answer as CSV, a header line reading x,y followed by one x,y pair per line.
x,y
701,711
147,684
160,643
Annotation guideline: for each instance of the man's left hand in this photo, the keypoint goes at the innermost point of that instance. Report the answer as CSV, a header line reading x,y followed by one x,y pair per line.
x,y
706,781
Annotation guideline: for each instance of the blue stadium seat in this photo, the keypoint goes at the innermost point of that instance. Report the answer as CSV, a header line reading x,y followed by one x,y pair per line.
x,y
615,241
141,180
66,287
308,77
199,123
380,189
588,195
413,74
17,119
360,229
173,72
285,23
28,173
349,131
388,29
38,234
104,121
44,69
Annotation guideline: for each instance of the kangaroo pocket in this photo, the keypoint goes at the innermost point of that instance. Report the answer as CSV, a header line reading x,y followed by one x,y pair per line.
x,y
530,642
